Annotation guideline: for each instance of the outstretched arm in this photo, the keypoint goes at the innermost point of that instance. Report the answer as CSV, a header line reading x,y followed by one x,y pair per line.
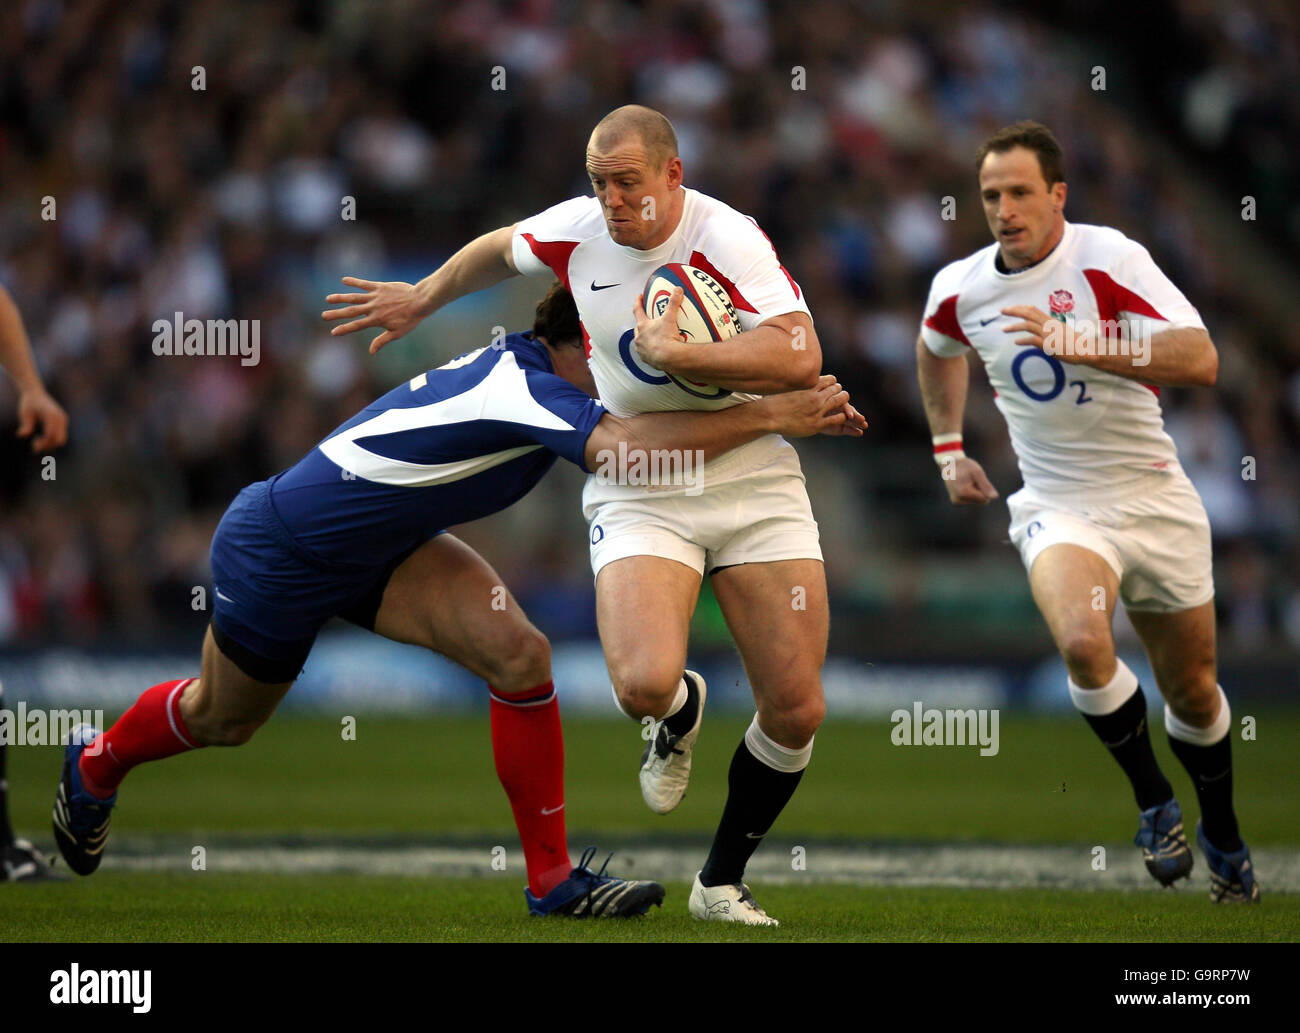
x,y
35,406
824,409
398,307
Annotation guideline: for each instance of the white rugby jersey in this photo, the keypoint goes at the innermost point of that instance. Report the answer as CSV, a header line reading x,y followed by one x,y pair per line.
x,y
570,241
1077,431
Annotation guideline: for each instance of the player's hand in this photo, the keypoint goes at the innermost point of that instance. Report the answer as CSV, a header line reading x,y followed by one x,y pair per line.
x,y
395,306
966,483
823,409
658,340
853,426
1064,340
37,408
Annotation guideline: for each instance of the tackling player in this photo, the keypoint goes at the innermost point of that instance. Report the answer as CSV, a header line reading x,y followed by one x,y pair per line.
x,y
354,530
751,529
1106,510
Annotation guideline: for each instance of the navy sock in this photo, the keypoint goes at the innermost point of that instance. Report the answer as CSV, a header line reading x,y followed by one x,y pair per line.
x,y
1124,733
684,720
1211,771
756,796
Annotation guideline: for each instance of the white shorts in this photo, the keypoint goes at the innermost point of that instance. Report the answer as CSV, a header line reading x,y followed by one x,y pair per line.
x,y
753,509
1157,542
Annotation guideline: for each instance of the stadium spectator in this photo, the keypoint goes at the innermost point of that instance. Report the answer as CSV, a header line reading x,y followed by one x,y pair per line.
x,y
228,201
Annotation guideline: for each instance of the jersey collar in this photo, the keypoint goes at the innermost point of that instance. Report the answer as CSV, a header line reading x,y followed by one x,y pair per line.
x,y
530,353
1039,268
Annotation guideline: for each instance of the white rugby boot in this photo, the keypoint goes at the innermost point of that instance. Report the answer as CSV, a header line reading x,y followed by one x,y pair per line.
x,y
727,904
666,760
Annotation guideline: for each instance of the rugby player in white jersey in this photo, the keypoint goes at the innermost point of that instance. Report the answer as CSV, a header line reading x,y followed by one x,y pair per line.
x,y
751,528
356,529
1078,329
42,419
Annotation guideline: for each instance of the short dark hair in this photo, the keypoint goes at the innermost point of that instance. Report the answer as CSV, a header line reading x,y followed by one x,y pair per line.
x,y
557,317
1033,136
652,127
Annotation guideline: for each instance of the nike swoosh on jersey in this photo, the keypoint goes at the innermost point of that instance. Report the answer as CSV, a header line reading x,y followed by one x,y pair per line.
x,y
603,286
986,322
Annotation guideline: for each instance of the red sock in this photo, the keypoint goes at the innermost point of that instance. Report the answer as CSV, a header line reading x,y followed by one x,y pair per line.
x,y
528,747
151,730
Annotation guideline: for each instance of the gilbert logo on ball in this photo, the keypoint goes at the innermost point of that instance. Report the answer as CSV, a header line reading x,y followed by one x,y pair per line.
x,y
707,314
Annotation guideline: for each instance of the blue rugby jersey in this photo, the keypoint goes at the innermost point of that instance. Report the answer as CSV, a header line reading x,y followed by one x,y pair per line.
x,y
451,445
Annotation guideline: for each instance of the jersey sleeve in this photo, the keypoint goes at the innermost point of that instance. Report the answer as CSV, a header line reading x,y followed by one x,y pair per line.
x,y
542,243
742,259
576,409
1138,291
940,330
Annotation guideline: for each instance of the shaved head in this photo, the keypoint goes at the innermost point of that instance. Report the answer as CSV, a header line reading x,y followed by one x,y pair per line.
x,y
635,172
636,122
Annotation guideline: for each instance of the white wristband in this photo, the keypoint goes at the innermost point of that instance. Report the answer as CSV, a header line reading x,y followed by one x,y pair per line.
x,y
947,447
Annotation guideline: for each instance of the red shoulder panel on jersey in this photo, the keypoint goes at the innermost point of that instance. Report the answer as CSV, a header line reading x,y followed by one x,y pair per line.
x,y
700,262
555,253
944,320
1112,299
793,286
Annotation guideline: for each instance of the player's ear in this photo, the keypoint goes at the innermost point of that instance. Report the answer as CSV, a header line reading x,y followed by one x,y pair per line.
x,y
674,172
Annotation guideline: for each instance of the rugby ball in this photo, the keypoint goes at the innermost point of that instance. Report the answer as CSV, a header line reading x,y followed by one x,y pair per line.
x,y
707,314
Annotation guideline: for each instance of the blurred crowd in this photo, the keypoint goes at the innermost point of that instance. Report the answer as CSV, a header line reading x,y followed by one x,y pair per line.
x,y
200,154
1234,95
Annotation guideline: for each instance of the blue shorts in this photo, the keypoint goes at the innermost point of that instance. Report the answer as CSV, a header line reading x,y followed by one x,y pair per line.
x,y
270,597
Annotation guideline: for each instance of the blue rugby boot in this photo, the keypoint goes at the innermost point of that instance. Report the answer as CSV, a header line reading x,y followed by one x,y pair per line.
x,y
1232,876
588,894
80,820
1164,846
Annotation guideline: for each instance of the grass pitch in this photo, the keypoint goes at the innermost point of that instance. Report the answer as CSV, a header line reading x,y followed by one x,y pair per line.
x,y
124,907
431,780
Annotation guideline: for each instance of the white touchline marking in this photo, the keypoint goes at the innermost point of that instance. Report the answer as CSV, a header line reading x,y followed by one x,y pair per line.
x,y
865,864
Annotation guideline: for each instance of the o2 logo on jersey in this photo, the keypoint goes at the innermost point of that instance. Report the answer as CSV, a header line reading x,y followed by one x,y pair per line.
x,y
692,387
627,354
1034,528
597,533
1058,377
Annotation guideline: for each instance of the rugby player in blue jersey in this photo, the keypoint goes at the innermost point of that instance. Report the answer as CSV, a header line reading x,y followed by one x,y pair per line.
x,y
356,530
